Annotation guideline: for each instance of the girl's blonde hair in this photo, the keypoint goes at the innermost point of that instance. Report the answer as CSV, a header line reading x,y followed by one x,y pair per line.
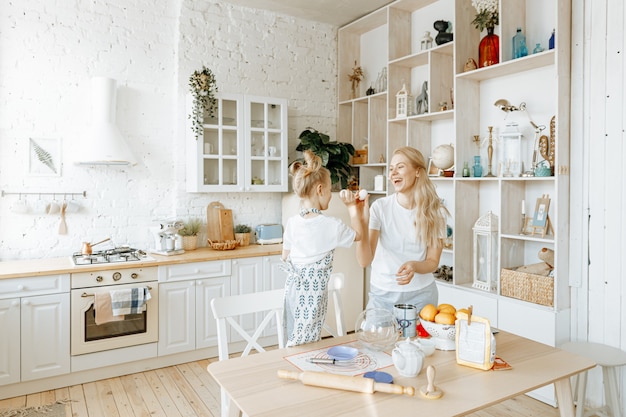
x,y
308,174
430,221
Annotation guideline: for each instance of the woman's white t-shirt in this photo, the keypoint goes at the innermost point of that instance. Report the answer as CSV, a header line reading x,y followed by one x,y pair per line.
x,y
309,240
397,244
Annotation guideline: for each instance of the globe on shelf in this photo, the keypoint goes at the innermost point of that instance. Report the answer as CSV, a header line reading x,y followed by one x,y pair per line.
x,y
377,329
443,156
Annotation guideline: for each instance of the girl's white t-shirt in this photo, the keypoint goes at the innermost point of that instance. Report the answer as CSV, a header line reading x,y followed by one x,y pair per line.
x,y
309,240
397,244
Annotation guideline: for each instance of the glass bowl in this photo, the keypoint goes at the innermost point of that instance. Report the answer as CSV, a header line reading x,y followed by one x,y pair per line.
x,y
377,329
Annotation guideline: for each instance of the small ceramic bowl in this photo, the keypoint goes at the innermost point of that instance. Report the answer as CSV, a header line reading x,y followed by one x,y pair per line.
x,y
342,353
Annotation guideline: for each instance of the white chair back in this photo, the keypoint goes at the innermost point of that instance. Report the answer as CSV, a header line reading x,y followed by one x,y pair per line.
x,y
335,285
228,310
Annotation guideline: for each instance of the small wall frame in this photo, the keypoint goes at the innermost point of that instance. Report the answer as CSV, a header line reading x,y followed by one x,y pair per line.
x,y
44,157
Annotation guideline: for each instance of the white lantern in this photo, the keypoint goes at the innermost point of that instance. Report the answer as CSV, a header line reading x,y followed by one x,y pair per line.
x,y
486,252
401,102
511,140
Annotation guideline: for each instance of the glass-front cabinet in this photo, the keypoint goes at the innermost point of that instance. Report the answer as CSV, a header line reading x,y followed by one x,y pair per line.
x,y
242,148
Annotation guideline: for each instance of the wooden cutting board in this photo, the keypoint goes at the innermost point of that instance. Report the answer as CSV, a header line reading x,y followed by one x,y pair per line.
x,y
219,222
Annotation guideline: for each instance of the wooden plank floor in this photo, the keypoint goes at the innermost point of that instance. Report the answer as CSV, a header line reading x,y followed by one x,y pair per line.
x,y
188,390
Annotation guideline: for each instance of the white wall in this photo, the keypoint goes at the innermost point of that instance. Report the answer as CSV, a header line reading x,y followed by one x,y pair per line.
x,y
598,194
49,53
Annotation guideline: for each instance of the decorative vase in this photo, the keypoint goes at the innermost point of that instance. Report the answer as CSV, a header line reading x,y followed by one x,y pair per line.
x,y
478,169
443,36
190,242
243,239
489,49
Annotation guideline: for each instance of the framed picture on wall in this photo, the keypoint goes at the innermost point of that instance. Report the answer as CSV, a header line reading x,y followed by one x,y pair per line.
x,y
44,157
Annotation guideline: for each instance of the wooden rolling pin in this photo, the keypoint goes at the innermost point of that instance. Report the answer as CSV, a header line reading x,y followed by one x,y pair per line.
x,y
344,382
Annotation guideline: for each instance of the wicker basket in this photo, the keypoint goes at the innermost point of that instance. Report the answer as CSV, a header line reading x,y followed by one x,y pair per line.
x,y
190,242
223,245
537,289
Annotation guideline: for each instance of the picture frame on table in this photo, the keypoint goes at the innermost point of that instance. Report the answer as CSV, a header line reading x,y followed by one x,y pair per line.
x,y
433,171
540,217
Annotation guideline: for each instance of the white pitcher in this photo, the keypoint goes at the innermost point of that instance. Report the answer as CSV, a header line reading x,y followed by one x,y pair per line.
x,y
408,358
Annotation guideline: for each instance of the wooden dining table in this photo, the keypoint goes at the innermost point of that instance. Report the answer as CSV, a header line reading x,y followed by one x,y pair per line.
x,y
252,382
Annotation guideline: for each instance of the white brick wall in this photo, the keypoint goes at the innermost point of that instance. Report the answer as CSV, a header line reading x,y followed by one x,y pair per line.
x,y
50,51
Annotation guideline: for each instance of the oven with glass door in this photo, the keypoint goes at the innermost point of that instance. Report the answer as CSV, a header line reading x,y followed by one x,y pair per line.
x,y
123,331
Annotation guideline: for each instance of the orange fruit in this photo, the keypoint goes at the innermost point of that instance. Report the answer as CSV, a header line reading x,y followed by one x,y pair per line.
x,y
445,318
428,312
446,308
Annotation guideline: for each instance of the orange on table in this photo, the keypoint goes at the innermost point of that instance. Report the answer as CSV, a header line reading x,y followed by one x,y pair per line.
x,y
428,312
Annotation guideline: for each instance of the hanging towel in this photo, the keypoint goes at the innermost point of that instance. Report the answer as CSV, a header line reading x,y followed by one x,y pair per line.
x,y
103,308
129,301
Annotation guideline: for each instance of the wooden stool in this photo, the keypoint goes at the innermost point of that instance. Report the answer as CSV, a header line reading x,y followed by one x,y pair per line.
x,y
609,358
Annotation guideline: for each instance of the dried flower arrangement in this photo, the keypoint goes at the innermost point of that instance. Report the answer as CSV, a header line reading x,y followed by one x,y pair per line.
x,y
487,16
355,78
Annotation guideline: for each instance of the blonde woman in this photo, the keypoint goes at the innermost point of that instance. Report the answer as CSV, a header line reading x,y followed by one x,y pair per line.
x,y
405,238
309,244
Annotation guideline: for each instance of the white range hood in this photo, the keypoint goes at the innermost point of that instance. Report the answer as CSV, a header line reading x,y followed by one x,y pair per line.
x,y
104,144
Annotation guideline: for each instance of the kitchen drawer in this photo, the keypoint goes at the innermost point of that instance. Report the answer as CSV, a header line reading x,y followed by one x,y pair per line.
x,y
194,270
40,285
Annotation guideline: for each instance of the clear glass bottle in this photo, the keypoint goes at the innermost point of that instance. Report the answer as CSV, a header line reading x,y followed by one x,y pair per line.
x,y
537,49
466,170
519,44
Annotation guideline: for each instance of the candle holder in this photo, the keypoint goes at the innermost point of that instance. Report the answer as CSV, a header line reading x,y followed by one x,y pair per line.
x,y
490,152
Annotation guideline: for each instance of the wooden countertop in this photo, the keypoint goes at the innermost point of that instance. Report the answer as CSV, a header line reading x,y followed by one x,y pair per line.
x,y
65,265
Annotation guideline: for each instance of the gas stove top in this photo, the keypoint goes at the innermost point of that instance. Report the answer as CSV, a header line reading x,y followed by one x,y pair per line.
x,y
108,256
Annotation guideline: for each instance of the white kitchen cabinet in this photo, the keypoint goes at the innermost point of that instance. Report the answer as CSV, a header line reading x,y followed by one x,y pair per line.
x,y
10,342
252,275
243,147
35,312
45,336
185,291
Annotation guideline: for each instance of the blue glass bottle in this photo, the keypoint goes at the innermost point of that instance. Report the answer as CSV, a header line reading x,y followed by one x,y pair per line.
x,y
537,49
478,169
519,44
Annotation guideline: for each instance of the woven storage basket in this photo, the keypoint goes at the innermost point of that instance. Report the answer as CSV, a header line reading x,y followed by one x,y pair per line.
x,y
537,289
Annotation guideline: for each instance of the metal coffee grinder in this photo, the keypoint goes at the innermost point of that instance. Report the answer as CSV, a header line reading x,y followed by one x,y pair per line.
x,y
166,237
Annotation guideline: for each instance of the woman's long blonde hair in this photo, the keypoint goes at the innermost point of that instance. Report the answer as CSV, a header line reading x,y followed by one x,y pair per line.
x,y
307,175
430,221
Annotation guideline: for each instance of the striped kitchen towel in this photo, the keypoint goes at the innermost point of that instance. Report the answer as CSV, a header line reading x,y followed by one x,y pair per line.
x,y
129,301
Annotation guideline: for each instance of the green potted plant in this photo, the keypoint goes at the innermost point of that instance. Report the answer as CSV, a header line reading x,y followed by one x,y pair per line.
x,y
203,88
242,234
189,232
335,155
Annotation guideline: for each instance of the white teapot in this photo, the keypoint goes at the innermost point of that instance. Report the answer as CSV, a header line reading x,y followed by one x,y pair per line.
x,y
408,358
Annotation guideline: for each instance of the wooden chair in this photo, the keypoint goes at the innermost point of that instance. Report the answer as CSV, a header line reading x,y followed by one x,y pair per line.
x,y
335,285
228,309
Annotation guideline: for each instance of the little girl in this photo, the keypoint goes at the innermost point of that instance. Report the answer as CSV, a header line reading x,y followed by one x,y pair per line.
x,y
309,244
